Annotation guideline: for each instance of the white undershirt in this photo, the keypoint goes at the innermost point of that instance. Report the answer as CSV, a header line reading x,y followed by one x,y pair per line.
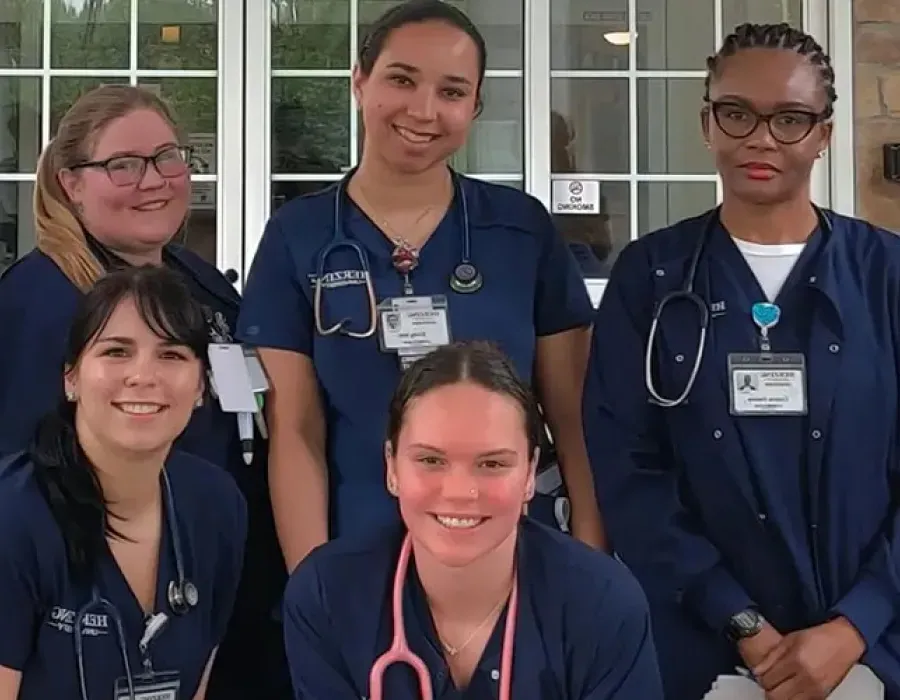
x,y
770,263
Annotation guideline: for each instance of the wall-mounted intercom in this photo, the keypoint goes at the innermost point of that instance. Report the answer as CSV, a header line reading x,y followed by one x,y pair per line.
x,y
892,162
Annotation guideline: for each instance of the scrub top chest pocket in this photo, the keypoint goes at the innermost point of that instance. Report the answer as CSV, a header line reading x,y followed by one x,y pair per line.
x,y
413,326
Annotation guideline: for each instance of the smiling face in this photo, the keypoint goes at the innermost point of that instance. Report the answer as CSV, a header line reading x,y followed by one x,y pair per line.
x,y
421,96
134,390
462,471
754,165
130,214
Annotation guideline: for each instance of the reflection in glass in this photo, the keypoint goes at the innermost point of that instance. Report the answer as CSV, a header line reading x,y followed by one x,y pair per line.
x,y
65,91
499,21
20,124
16,222
496,140
661,204
199,231
92,34
735,12
675,34
284,191
310,125
310,34
596,111
179,34
594,39
21,34
596,239
670,139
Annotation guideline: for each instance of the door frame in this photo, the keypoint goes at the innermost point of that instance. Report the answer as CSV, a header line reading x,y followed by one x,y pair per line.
x,y
245,65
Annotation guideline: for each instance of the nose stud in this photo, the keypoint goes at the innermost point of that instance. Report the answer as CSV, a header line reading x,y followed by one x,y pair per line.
x,y
473,492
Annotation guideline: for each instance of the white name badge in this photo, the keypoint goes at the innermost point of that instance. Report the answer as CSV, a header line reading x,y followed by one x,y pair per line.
x,y
767,384
233,377
413,325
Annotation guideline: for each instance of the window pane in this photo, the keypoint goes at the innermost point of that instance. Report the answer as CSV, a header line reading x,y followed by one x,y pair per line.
x,y
21,34
670,139
589,125
310,125
64,92
661,204
90,34
515,184
199,234
675,34
310,34
194,102
177,34
284,191
595,39
496,142
735,12
596,239
499,21
20,124
16,221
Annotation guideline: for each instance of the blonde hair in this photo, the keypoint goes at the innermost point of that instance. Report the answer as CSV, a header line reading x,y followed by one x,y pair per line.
x,y
60,235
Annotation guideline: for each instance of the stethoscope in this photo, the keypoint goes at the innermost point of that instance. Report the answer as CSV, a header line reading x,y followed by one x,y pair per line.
x,y
182,597
400,652
465,278
687,293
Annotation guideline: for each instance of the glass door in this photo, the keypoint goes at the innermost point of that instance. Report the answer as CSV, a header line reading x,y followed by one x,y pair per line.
x,y
304,129
619,152
53,50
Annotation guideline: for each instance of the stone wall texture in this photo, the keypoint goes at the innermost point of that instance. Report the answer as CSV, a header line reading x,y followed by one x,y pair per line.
x,y
877,106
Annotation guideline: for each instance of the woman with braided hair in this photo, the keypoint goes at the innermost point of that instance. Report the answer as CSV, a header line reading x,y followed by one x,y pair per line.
x,y
747,474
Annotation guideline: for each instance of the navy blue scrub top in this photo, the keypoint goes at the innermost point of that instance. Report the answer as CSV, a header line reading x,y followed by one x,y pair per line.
x,y
582,627
35,332
795,515
39,600
532,287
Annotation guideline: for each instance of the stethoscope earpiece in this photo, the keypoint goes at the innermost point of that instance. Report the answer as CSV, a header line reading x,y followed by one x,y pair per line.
x,y
466,279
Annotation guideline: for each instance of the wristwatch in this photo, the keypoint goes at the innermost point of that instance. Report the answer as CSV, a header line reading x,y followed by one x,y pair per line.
x,y
744,625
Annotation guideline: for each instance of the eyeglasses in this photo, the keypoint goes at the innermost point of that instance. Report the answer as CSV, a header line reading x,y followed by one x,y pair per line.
x,y
788,126
127,171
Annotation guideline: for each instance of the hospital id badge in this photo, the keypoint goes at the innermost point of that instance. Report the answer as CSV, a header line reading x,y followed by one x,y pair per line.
x,y
413,325
163,685
767,384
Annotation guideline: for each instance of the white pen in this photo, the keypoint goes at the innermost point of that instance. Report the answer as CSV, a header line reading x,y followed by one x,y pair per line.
x,y
245,431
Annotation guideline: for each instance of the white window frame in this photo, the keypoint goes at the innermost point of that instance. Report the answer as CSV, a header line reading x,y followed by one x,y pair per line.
x,y
833,183
229,122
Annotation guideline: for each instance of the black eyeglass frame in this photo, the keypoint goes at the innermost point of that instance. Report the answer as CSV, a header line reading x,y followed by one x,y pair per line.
x,y
186,153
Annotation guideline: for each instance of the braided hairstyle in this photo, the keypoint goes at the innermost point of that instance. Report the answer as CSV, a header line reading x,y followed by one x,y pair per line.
x,y
776,36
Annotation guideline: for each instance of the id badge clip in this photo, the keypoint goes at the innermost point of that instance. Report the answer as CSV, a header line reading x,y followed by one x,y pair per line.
x,y
767,383
413,326
162,685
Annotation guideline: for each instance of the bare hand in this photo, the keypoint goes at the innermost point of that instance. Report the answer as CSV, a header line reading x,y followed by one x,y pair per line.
x,y
811,663
754,649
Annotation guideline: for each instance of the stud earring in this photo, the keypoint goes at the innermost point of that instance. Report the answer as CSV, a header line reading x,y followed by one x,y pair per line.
x,y
199,402
70,396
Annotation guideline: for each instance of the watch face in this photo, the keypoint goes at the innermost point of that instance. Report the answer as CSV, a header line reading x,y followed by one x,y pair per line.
x,y
746,623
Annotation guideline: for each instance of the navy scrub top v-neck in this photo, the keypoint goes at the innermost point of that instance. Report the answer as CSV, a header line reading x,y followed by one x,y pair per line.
x,y
796,515
532,287
39,600
582,625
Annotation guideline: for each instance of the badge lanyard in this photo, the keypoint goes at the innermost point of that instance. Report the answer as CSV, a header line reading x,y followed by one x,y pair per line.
x,y
767,383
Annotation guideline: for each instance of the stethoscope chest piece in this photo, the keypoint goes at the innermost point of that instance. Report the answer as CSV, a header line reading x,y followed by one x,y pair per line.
x,y
466,279
182,596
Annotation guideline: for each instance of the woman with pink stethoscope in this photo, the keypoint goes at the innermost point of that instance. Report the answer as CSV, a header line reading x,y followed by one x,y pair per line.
x,y
481,601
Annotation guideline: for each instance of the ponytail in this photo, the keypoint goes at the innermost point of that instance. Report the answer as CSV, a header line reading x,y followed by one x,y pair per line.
x,y
69,485
59,233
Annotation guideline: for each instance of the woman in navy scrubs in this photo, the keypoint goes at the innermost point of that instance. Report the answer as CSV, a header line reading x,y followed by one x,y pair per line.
x,y
102,508
760,513
450,258
112,190
494,604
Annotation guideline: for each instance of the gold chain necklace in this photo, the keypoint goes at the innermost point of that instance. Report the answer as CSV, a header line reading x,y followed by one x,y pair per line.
x,y
455,650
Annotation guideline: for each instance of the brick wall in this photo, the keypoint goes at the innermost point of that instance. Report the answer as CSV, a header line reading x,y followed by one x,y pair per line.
x,y
877,101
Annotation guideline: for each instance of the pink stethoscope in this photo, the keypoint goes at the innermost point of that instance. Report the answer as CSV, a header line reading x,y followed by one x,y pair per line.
x,y
401,653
